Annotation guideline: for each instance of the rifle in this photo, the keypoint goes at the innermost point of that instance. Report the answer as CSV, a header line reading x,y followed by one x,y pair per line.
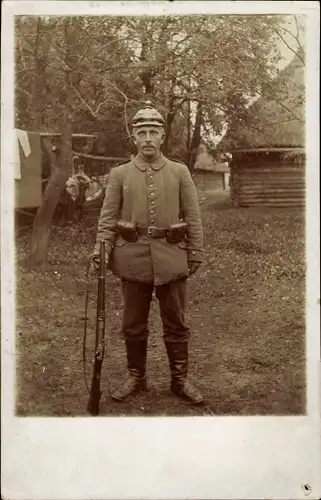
x,y
95,392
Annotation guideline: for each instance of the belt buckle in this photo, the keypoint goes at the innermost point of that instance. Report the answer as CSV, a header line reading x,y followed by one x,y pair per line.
x,y
150,231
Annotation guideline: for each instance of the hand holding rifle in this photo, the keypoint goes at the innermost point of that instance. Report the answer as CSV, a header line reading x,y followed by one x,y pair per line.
x,y
99,262
95,261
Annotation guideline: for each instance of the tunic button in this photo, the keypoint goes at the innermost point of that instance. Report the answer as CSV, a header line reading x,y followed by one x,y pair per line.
x,y
152,194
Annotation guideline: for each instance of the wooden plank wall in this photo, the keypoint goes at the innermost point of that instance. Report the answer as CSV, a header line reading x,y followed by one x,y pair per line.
x,y
268,179
208,180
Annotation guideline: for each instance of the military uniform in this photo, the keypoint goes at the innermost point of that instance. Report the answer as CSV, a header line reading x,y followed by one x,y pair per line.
x,y
152,198
159,195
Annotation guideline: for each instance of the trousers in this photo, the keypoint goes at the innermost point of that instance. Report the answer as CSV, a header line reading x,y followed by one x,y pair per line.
x,y
172,300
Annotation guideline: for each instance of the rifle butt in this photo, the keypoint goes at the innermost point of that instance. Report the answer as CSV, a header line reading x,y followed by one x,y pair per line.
x,y
95,392
93,405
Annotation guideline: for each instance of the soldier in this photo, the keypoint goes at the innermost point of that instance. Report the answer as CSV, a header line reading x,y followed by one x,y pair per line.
x,y
151,223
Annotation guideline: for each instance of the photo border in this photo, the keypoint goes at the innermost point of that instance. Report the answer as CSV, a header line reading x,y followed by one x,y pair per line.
x,y
167,457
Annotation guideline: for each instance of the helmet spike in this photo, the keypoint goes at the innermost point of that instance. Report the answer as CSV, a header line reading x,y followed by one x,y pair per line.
x,y
148,115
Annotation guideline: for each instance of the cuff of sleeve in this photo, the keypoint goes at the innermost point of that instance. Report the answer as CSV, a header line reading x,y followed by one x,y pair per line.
x,y
194,255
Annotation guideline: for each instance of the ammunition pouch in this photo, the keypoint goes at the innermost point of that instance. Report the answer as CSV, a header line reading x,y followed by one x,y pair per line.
x,y
177,232
127,230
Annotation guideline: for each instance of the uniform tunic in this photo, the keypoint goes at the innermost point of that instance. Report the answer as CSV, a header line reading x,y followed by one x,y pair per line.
x,y
151,194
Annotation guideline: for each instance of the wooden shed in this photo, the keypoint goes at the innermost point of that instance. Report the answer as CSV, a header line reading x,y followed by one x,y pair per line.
x,y
268,144
208,174
268,177
212,179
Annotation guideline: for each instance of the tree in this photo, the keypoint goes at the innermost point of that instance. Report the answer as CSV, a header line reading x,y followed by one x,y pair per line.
x,y
219,61
90,74
42,224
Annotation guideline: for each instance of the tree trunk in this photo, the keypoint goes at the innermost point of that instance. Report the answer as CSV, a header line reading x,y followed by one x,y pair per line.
x,y
40,54
188,138
146,75
196,138
169,122
42,225
189,133
41,233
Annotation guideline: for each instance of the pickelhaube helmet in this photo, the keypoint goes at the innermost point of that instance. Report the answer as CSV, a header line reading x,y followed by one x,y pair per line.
x,y
148,116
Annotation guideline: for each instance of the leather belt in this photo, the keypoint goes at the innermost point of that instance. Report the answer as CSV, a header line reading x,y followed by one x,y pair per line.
x,y
152,232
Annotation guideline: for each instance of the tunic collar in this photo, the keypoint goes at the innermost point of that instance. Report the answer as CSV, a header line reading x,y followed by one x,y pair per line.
x,y
144,165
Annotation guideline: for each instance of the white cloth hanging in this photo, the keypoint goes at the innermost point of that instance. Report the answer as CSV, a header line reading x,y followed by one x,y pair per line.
x,y
21,137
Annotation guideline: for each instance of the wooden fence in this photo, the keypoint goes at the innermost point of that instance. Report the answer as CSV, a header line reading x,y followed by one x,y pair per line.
x,y
98,165
93,164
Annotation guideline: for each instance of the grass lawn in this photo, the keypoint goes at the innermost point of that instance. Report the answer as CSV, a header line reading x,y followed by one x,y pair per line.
x,y
246,312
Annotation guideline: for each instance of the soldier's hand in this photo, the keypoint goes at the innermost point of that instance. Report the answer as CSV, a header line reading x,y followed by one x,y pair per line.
x,y
95,260
193,266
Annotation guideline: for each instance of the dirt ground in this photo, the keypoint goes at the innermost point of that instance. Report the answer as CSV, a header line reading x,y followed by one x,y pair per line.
x,y
246,313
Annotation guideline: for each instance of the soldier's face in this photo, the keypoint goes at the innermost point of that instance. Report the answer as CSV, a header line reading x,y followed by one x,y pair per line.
x,y
148,140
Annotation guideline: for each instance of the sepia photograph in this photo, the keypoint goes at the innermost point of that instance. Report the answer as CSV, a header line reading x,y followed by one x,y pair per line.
x,y
159,176
180,143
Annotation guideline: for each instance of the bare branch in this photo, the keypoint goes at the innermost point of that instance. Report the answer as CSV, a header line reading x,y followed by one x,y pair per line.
x,y
23,91
28,47
296,37
125,105
100,105
60,59
295,117
21,54
295,52
86,105
297,28
81,58
27,70
36,44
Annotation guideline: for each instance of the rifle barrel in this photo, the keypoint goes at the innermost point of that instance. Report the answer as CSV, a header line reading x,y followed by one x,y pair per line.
x,y
95,392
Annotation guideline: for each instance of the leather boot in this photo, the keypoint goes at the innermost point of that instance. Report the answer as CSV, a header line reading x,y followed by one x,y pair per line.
x,y
178,361
136,362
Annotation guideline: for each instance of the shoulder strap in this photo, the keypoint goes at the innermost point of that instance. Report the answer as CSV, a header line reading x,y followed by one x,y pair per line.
x,y
177,161
123,162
